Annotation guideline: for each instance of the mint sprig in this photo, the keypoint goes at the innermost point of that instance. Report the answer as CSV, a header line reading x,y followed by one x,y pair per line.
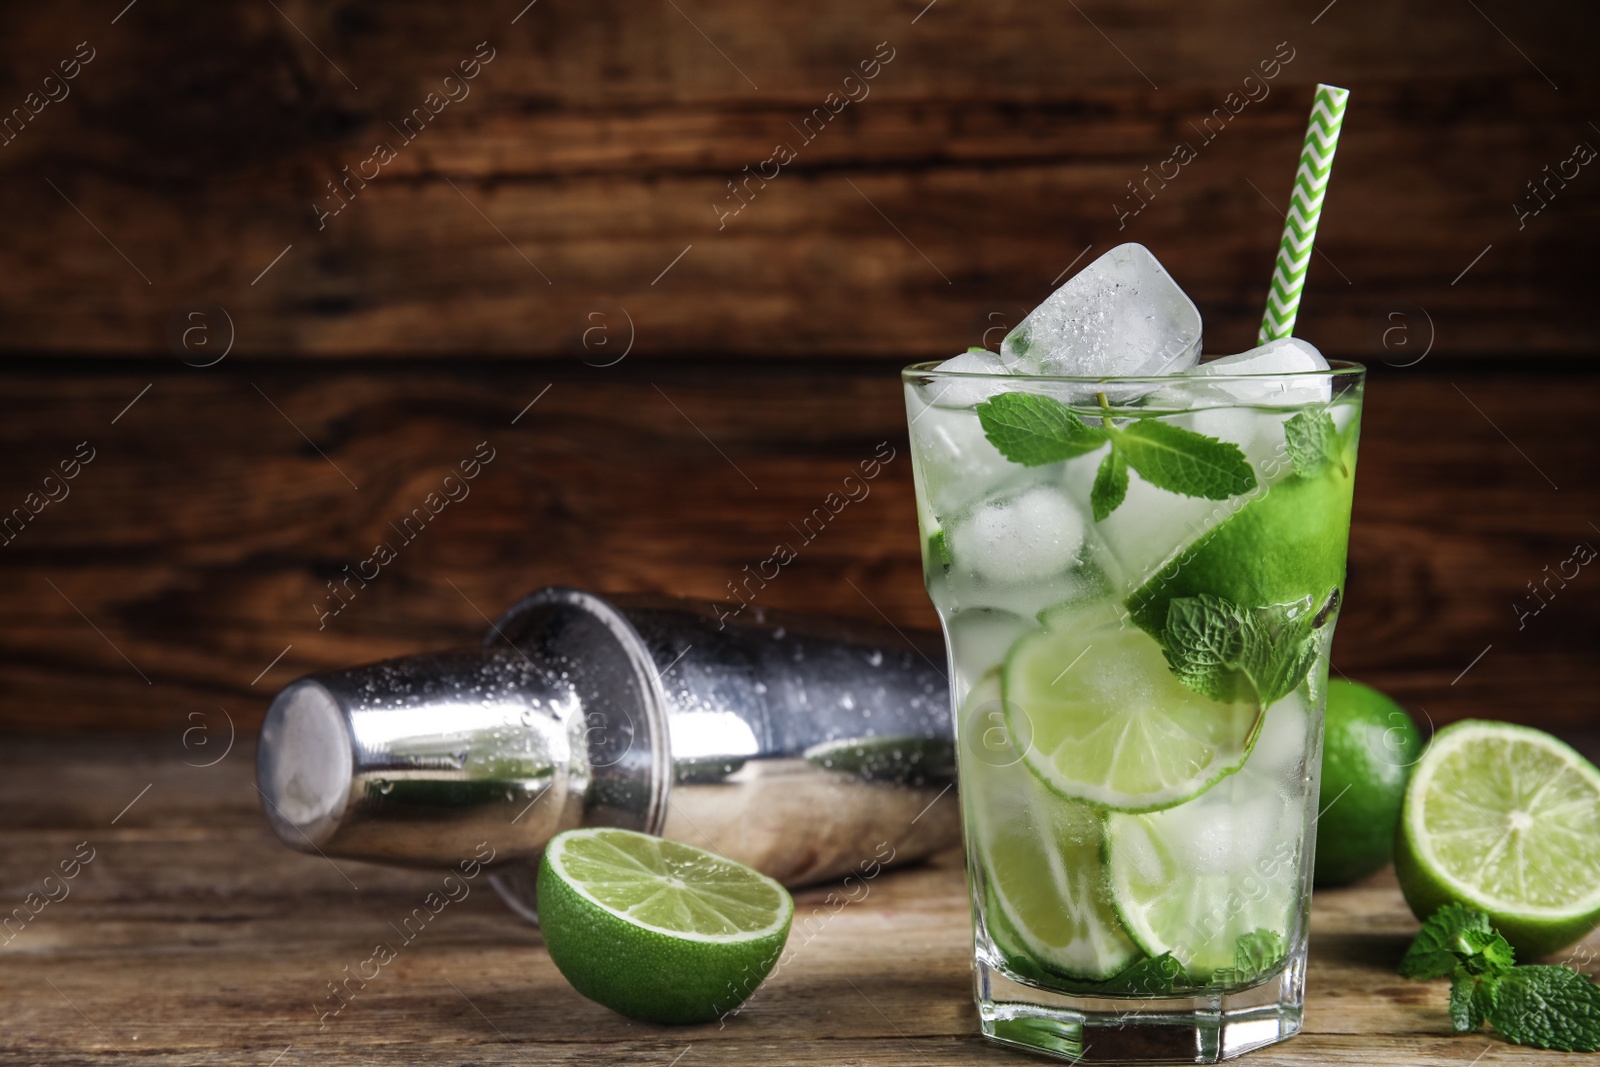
x,y
1536,1005
1229,653
1313,443
1035,430
1457,936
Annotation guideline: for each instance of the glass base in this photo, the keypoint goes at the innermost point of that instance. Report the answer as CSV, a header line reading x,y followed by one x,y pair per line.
x,y
1084,1029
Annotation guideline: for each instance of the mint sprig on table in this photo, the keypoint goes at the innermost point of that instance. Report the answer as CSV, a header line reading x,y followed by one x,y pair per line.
x,y
1533,1004
1229,653
1035,430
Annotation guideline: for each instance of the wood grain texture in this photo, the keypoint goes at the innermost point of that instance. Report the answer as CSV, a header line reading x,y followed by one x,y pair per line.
x,y
192,937
193,552
989,151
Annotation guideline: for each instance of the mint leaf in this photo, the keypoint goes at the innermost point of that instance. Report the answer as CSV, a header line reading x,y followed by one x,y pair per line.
x,y
976,348
1184,462
1547,1007
1254,954
1495,957
1453,936
1313,443
1151,977
1276,660
1034,430
1110,485
1467,1003
1483,995
1203,643
1224,652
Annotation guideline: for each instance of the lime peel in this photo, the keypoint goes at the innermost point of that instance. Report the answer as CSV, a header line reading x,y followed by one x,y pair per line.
x,y
658,930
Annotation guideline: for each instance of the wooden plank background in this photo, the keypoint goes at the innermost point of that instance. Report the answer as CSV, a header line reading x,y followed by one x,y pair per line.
x,y
991,149
551,237
542,280
196,546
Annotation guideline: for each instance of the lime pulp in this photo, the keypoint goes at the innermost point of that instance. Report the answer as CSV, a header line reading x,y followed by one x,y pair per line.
x,y
658,930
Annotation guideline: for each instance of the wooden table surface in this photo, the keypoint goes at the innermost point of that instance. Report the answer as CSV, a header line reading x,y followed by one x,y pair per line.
x,y
192,937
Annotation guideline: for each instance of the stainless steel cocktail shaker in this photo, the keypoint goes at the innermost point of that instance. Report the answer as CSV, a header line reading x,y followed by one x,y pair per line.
x,y
797,745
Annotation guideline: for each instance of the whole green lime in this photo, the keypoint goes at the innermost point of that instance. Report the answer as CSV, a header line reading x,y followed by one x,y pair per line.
x,y
1369,746
658,930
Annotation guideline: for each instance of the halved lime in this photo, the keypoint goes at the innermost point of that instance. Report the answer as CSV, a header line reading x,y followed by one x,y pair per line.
x,y
657,930
1507,819
1040,860
1109,723
1193,880
1284,547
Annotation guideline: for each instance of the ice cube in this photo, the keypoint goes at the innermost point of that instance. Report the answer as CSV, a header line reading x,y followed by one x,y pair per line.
x,y
1149,526
1028,538
1288,355
1121,315
1259,435
1229,409
954,460
967,392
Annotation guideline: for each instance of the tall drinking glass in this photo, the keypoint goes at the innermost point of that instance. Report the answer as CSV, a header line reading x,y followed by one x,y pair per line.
x,y
1138,580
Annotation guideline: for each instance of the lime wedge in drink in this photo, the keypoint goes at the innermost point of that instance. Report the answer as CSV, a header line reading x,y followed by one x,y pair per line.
x,y
657,930
1284,547
1199,879
1040,858
1107,721
1507,819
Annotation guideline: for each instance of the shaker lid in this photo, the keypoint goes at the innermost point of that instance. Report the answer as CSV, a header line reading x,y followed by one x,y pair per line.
x,y
555,722
304,768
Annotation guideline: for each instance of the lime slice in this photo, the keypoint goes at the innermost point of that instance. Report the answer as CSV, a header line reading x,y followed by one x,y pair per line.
x,y
1108,722
1507,819
1284,547
657,930
1039,860
1223,870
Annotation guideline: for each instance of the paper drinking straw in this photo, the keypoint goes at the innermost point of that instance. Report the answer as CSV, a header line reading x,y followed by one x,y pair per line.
x,y
1305,208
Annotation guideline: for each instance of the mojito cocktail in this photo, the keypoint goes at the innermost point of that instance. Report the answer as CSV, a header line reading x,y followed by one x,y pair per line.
x,y
1138,560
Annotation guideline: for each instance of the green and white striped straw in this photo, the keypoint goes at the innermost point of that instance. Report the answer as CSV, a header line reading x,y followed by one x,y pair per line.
x,y
1305,208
